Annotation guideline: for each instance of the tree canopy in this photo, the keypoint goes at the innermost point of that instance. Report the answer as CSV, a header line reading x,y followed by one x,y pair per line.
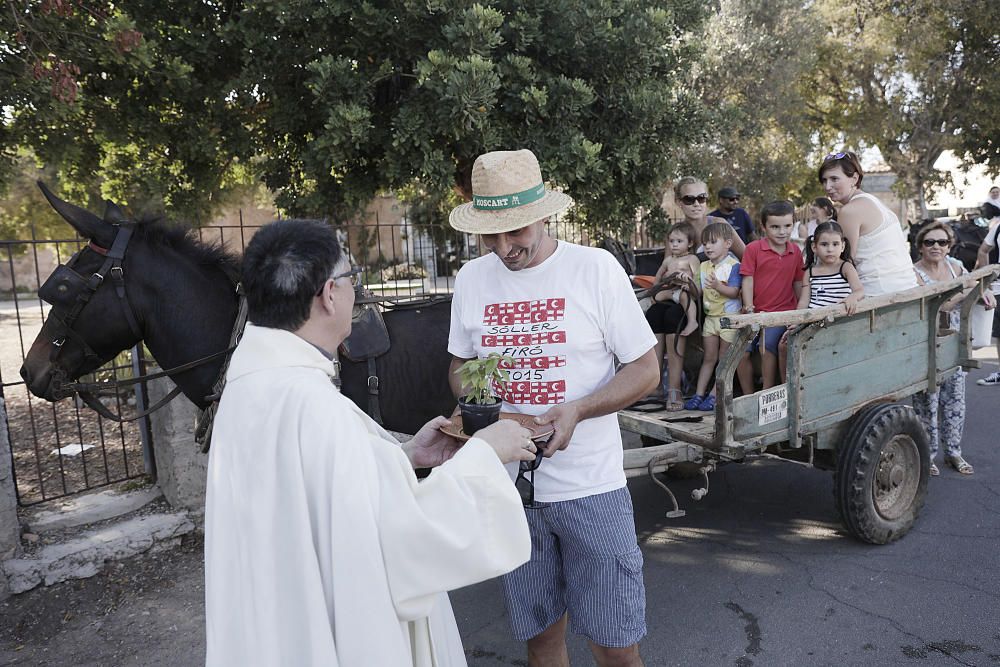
x,y
912,79
175,106
169,103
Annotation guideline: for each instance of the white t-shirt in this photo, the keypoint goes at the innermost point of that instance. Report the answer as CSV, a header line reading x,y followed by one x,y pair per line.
x,y
564,322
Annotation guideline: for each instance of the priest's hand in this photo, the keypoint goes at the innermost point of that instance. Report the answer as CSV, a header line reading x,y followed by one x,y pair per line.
x,y
510,441
430,447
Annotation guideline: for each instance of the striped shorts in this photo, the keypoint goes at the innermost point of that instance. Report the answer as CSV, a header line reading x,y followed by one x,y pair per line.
x,y
585,560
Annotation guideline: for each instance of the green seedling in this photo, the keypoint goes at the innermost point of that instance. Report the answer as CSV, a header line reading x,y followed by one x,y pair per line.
x,y
477,377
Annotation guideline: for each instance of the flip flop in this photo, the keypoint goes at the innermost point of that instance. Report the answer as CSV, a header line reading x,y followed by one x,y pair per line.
x,y
959,464
675,400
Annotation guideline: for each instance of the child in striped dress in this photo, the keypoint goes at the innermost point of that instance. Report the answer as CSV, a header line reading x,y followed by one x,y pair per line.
x,y
830,276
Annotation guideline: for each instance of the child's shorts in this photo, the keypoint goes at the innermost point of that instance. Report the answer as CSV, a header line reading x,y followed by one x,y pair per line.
x,y
712,327
771,336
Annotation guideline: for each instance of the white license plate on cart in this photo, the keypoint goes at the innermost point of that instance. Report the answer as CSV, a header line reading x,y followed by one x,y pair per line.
x,y
772,405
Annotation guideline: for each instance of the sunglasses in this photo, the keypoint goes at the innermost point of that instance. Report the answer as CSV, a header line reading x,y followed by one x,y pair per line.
x,y
835,156
525,482
731,198
691,199
929,243
354,274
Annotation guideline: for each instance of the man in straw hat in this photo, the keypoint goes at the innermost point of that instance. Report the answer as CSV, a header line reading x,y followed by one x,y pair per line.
x,y
565,313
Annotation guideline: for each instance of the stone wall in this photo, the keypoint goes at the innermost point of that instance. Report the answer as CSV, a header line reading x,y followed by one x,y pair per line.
x,y
10,527
181,467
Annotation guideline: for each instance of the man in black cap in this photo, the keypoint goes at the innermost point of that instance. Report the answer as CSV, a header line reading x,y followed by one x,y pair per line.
x,y
729,198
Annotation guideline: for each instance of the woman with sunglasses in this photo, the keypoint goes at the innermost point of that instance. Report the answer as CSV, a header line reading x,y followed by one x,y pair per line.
x,y
667,319
876,239
943,411
692,196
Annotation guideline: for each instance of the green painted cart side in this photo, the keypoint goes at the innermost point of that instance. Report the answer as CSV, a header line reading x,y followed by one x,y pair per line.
x,y
838,405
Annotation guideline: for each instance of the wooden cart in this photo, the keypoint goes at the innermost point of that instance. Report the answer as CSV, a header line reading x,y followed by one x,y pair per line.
x,y
838,408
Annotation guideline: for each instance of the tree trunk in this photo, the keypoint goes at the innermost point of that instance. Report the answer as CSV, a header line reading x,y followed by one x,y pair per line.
x,y
921,199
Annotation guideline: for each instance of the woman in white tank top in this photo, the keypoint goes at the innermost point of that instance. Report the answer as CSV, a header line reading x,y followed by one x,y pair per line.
x,y
876,238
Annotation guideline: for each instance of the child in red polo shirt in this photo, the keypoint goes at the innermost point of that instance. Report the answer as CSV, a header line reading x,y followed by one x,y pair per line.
x,y
772,279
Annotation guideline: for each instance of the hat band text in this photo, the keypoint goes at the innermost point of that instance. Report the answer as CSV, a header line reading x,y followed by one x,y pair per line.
x,y
498,202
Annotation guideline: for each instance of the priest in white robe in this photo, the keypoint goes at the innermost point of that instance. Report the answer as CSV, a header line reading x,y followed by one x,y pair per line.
x,y
321,546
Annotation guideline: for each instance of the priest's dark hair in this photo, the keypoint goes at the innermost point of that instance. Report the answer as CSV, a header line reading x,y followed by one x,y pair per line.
x,y
285,264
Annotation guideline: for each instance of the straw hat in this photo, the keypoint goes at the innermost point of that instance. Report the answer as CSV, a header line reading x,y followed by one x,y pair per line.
x,y
507,194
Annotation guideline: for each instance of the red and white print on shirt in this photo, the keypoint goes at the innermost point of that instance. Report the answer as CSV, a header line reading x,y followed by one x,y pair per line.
x,y
528,331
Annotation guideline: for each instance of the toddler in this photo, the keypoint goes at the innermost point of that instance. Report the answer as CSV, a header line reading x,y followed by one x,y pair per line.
x,y
720,284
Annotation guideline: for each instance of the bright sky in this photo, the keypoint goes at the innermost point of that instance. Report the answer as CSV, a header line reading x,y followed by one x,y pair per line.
x,y
971,188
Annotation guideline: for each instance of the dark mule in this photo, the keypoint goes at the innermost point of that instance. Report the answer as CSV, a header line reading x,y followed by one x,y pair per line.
x,y
182,296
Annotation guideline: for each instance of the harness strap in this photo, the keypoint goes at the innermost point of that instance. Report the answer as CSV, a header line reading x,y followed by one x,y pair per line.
x,y
81,387
203,426
95,404
373,409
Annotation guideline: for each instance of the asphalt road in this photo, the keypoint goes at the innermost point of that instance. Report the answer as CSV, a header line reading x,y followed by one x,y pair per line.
x,y
757,573
760,572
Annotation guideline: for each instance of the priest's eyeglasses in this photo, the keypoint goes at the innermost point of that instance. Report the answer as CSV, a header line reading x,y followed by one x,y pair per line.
x,y
354,274
525,482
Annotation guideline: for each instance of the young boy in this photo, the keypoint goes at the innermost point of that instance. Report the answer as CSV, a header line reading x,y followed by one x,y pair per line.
x,y
720,284
772,279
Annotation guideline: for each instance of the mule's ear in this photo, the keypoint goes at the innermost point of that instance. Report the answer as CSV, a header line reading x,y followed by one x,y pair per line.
x,y
113,214
87,225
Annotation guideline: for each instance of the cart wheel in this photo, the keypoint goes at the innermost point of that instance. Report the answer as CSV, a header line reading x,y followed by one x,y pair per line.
x,y
881,476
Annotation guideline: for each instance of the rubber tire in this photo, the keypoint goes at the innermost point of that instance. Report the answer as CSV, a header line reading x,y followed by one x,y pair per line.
x,y
857,460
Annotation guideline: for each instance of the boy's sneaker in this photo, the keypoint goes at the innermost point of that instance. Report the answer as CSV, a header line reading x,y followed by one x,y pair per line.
x,y
991,380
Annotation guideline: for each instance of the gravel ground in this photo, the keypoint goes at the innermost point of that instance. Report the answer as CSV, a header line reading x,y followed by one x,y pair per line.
x,y
147,610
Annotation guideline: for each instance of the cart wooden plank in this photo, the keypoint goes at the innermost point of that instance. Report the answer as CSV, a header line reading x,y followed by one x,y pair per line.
x,y
652,424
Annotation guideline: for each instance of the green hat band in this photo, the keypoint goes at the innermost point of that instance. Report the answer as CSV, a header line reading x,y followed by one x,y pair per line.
x,y
499,202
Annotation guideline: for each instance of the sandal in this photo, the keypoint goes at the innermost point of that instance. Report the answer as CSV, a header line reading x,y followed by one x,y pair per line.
x,y
708,404
694,403
934,470
675,400
959,464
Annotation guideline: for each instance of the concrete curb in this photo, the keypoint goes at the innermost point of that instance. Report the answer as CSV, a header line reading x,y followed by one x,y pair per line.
x,y
88,508
85,556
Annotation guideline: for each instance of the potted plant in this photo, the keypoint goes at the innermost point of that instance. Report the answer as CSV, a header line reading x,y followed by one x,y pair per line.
x,y
480,406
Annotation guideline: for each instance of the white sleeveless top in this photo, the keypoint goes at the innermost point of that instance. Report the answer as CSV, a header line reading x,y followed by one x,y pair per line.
x,y
882,257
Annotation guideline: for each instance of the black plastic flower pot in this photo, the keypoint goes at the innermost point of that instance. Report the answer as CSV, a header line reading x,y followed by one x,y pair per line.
x,y
478,415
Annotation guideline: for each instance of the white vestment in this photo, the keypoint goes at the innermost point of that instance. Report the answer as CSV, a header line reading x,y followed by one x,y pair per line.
x,y
321,547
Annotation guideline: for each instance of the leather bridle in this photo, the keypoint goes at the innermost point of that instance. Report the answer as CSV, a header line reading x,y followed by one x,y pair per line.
x,y
69,293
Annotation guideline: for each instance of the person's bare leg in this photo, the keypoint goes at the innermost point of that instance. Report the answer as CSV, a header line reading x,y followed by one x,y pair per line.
x,y
744,373
549,647
692,315
782,362
711,345
616,657
723,348
768,368
675,360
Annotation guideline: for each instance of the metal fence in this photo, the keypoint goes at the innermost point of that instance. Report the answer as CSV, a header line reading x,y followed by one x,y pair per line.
x,y
60,448
64,448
